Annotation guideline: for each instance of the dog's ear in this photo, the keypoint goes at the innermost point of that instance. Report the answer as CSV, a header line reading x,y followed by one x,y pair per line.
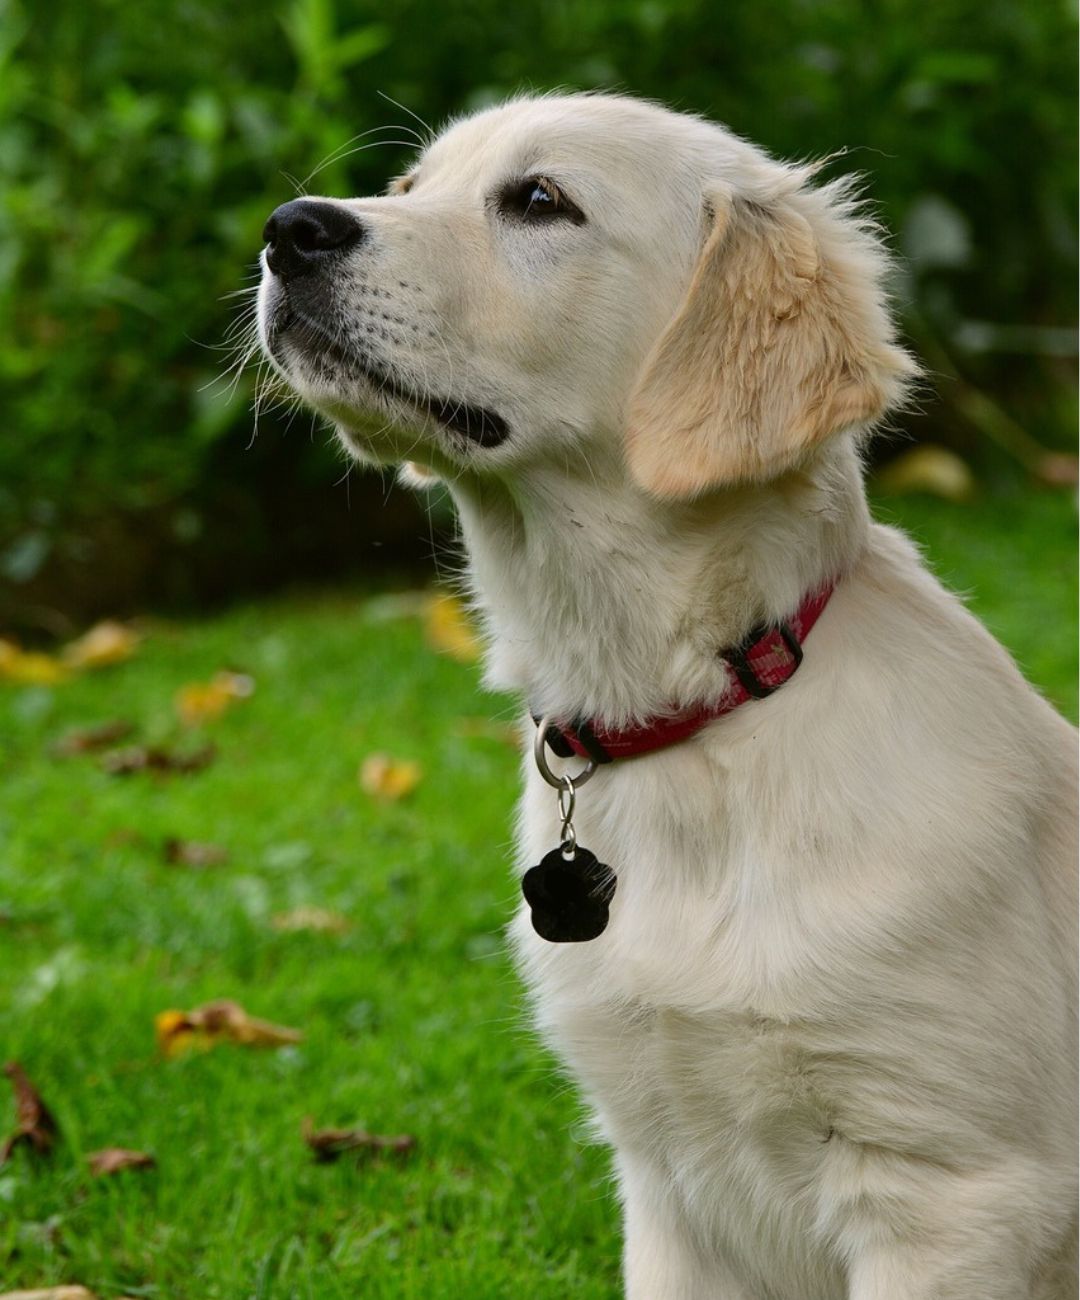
x,y
783,338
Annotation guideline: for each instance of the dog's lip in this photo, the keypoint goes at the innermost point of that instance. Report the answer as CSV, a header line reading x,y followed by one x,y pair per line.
x,y
479,424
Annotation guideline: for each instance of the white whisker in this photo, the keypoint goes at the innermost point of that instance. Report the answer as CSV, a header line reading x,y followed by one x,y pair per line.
x,y
415,116
344,152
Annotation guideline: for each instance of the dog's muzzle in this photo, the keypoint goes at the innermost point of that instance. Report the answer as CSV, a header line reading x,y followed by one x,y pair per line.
x,y
305,236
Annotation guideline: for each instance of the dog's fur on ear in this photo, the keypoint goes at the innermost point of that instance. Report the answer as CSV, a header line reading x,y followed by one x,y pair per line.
x,y
783,338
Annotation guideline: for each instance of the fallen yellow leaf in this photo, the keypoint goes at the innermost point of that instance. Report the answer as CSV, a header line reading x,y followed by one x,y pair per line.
x,y
201,702
106,643
389,778
51,1293
29,668
176,1034
927,468
55,1293
450,630
224,1021
310,918
204,701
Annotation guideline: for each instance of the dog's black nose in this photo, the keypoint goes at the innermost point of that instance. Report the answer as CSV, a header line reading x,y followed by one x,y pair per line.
x,y
302,233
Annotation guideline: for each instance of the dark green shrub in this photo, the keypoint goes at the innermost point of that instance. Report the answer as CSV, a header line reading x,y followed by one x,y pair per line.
x,y
141,148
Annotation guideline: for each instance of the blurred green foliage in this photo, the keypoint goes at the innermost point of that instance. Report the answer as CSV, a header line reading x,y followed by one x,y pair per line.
x,y
141,148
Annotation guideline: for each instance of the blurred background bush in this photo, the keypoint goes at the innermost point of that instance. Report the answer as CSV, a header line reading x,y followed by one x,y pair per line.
x,y
142,147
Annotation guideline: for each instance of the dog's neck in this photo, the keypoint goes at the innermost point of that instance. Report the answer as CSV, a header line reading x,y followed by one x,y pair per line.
x,y
603,603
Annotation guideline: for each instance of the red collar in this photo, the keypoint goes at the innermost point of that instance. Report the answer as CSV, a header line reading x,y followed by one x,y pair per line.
x,y
764,661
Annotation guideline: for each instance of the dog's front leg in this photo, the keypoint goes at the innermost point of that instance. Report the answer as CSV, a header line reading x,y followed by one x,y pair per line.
x,y
986,1237
930,1272
660,1259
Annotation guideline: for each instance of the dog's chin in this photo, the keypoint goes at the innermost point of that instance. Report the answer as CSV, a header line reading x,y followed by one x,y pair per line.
x,y
360,392
371,439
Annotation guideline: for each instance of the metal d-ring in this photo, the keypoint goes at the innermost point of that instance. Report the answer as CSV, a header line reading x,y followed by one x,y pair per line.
x,y
558,782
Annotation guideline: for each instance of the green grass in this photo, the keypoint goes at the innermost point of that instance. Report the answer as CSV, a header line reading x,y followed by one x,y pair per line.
x,y
413,1017
1013,556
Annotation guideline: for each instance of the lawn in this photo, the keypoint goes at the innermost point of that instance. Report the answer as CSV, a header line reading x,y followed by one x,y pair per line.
x,y
412,1017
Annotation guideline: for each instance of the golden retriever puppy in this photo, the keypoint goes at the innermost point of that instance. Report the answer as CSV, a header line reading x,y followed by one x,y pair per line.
x,y
806,937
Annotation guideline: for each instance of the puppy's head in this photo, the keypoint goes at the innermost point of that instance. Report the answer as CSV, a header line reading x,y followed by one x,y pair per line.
x,y
564,271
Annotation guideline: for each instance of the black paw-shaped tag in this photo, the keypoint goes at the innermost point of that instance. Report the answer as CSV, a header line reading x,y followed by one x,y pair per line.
x,y
569,897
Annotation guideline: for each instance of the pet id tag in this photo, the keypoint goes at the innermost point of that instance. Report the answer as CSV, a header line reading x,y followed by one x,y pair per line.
x,y
569,890
569,896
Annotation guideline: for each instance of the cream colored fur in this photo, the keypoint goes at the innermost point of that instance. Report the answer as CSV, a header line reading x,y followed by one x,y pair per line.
x,y
829,1030
782,340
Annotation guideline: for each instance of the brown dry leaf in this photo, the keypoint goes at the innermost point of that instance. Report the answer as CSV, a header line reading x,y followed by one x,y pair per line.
x,y
449,629
113,1160
1058,468
311,918
191,853
388,778
156,758
34,1123
85,740
199,702
330,1143
223,1021
29,668
108,642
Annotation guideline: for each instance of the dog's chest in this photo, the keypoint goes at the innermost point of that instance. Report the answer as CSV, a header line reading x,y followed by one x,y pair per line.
x,y
729,1108
697,1044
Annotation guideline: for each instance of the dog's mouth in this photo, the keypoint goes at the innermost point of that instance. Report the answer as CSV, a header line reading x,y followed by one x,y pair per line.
x,y
478,424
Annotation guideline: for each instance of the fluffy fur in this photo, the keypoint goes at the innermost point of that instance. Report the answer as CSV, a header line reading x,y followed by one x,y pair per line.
x,y
829,1031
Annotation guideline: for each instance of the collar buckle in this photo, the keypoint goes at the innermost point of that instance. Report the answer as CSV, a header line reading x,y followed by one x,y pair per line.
x,y
738,658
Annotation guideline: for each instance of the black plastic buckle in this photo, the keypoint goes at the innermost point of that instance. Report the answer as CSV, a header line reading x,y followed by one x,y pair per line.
x,y
588,741
583,733
739,660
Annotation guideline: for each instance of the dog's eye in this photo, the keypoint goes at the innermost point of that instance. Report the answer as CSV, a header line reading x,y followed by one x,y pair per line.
x,y
538,199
